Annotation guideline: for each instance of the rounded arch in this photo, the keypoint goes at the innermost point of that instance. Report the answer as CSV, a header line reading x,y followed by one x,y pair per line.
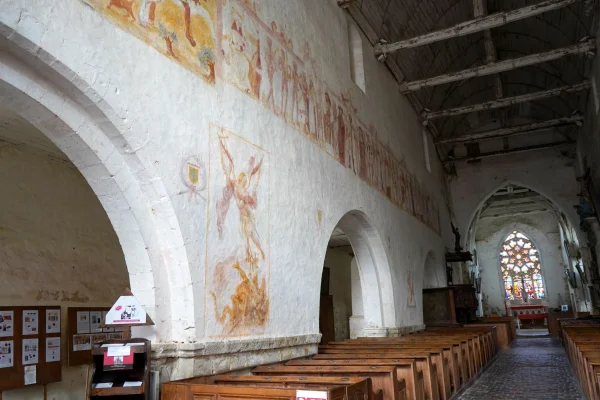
x,y
81,124
431,273
373,267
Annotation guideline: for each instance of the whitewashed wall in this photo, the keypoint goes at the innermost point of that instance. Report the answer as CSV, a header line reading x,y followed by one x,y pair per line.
x,y
164,118
58,248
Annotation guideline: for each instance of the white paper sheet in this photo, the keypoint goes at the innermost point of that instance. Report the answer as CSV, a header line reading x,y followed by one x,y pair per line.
x,y
132,384
52,349
113,345
53,321
82,342
7,319
103,385
83,322
30,375
7,353
30,351
95,320
30,322
310,395
118,351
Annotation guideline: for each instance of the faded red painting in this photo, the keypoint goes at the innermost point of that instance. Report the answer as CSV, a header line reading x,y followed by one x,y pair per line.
x,y
237,270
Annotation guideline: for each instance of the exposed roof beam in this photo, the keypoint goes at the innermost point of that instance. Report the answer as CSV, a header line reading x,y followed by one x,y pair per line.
x,y
508,101
508,197
500,66
509,151
514,130
480,10
477,25
515,214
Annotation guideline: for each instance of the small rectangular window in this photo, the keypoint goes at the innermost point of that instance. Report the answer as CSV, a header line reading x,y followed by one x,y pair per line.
x,y
357,67
426,151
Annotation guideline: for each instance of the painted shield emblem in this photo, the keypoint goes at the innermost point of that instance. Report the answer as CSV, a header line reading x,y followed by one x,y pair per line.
x,y
193,173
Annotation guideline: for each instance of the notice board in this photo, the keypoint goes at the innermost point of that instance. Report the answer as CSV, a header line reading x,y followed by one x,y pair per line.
x,y
30,352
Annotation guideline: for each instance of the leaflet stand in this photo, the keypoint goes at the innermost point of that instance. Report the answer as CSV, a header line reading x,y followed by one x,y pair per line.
x,y
121,368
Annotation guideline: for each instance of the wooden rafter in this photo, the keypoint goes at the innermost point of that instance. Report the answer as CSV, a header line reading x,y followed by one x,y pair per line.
x,y
513,130
477,25
509,151
508,101
480,10
500,66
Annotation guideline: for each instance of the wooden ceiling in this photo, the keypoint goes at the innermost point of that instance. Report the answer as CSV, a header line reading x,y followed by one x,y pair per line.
x,y
503,87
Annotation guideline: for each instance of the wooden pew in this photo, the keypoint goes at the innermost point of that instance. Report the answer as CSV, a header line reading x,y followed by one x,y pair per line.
x,y
356,387
253,387
582,345
441,354
406,369
382,378
424,363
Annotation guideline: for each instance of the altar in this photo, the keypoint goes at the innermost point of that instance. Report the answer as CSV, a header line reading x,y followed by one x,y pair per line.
x,y
532,311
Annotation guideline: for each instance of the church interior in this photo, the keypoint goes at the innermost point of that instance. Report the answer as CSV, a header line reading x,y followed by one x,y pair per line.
x,y
299,199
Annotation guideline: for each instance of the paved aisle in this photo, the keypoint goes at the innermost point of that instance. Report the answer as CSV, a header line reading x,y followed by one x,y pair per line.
x,y
533,368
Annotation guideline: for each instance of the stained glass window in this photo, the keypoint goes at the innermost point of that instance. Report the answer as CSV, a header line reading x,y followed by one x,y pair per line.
x,y
521,268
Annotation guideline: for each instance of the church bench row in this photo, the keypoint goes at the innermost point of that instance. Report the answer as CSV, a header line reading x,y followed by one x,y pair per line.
x,y
582,344
227,387
429,365
447,357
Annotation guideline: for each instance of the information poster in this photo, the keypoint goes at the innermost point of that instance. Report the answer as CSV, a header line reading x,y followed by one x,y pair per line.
x,y
82,343
310,395
30,375
7,351
30,322
53,321
98,338
30,351
115,336
83,322
96,320
126,311
104,319
7,319
52,349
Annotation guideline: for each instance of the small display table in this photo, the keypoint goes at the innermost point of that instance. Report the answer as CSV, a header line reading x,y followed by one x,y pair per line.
x,y
121,369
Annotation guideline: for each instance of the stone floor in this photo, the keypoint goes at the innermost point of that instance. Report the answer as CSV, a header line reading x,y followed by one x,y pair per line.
x,y
532,368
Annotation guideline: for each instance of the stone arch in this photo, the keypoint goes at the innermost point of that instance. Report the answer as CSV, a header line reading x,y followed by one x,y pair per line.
x,y
73,116
465,240
431,271
373,268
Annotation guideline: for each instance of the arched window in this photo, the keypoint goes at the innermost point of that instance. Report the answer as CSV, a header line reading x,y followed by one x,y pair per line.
x,y
521,268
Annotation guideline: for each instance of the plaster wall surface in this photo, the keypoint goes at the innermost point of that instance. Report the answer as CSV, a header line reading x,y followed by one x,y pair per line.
x,y
181,122
57,248
542,229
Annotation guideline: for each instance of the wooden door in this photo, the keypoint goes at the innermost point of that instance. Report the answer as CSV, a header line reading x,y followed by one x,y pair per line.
x,y
326,326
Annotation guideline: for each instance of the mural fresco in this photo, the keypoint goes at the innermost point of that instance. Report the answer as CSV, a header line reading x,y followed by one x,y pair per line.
x,y
183,30
237,270
263,62
411,300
